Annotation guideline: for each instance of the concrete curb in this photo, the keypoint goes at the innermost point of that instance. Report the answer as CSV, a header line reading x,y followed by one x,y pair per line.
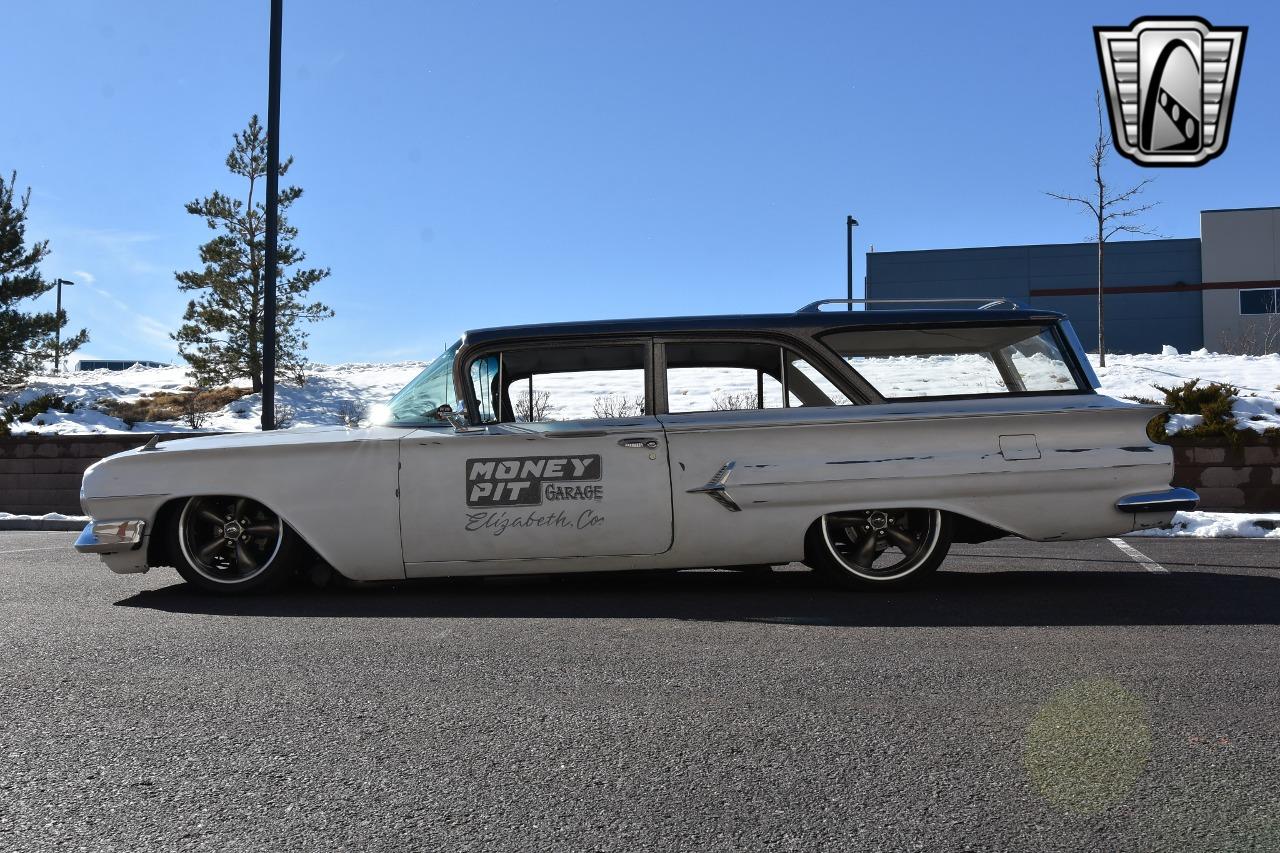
x,y
41,524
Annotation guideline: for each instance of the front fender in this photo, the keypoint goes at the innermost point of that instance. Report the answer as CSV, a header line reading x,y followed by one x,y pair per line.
x,y
336,489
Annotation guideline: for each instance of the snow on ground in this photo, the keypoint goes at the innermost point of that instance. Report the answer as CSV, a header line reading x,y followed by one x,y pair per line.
x,y
1137,375
329,387
48,516
317,403
1220,525
1257,377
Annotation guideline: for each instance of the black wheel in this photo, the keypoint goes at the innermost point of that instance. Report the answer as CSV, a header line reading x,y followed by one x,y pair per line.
x,y
879,548
228,544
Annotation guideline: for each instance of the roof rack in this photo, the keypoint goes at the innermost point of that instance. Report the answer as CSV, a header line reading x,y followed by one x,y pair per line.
x,y
988,302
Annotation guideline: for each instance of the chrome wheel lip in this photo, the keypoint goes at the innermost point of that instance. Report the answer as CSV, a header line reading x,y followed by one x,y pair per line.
x,y
910,564
198,566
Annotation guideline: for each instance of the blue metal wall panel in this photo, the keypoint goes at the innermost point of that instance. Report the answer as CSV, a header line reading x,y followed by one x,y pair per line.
x,y
1136,322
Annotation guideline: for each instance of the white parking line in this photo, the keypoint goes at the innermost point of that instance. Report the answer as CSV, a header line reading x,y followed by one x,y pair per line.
x,y
1139,557
25,550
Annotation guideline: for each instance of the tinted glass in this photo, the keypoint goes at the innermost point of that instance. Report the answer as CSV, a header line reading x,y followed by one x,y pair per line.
x,y
416,402
1260,301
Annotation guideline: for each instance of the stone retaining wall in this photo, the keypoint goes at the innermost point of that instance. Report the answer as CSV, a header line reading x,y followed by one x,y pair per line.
x,y
40,474
1233,478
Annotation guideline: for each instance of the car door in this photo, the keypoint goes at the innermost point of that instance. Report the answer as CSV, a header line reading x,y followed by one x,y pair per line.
x,y
745,421
560,482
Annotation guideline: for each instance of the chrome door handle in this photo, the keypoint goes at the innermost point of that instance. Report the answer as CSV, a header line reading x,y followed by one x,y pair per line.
x,y
639,443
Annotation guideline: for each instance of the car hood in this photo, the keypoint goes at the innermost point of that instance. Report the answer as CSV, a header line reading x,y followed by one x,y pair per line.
x,y
277,438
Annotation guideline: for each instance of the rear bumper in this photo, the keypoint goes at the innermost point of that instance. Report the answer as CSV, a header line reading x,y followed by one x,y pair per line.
x,y
1168,501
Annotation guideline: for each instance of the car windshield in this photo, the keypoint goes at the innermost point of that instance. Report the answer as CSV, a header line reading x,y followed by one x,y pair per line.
x,y
415,404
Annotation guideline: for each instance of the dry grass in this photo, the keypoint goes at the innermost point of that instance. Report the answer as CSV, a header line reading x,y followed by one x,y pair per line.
x,y
174,405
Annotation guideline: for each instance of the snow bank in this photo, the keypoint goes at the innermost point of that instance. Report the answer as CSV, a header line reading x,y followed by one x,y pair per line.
x,y
317,403
1257,376
1220,525
48,516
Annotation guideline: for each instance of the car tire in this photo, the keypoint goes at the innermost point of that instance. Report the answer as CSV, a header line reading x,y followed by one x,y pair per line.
x,y
878,549
232,545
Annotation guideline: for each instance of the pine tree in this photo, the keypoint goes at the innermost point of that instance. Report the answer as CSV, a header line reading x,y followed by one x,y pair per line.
x,y
26,339
221,335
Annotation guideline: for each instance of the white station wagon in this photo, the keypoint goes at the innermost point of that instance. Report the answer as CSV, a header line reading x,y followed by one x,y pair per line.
x,y
861,442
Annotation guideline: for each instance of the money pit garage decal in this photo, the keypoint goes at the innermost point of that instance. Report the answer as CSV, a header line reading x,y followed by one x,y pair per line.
x,y
529,480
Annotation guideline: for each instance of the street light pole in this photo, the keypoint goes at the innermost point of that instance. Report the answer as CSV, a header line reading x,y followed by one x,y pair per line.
x,y
273,221
57,332
850,223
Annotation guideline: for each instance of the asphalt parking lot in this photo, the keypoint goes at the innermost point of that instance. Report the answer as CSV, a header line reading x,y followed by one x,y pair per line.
x,y
1033,698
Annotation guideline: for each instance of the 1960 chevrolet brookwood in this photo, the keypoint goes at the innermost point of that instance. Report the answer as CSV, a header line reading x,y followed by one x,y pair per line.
x,y
861,442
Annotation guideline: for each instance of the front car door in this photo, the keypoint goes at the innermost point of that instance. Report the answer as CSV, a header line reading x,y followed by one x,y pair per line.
x,y
569,461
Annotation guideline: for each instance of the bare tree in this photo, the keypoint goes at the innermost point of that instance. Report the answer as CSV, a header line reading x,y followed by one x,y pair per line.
x,y
195,414
1259,335
724,401
284,417
532,405
618,405
1112,211
352,413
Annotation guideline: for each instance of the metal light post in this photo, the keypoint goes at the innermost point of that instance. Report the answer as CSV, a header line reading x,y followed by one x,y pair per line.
x,y
273,221
57,332
850,223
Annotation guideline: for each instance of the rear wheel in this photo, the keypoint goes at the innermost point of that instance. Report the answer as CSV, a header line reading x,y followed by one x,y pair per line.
x,y
879,547
229,544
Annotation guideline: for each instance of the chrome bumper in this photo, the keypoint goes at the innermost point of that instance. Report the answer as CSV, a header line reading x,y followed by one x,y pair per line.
x,y
110,537
1173,500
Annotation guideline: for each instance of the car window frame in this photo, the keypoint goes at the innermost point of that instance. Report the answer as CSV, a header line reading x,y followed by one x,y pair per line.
x,y
831,372
467,356
1083,385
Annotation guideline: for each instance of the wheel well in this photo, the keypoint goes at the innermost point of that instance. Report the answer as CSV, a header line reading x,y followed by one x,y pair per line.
x,y
971,531
159,542
966,530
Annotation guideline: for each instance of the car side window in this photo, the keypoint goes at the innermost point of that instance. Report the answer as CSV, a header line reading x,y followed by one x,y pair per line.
x,y
711,376
560,383
957,361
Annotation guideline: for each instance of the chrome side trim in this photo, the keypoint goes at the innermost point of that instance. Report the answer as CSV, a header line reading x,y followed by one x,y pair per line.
x,y
109,537
715,488
1173,500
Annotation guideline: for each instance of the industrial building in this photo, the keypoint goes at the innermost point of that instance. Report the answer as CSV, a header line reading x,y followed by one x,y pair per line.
x,y
1220,291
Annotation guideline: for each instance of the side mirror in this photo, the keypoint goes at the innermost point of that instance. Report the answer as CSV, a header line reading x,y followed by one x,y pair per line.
x,y
457,420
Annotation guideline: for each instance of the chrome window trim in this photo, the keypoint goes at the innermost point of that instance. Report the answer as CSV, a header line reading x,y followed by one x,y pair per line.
x,y
1082,358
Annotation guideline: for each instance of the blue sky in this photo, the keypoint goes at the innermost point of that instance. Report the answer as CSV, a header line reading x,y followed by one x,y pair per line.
x,y
476,164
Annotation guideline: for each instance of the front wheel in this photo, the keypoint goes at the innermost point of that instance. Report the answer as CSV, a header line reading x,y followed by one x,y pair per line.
x,y
228,544
879,548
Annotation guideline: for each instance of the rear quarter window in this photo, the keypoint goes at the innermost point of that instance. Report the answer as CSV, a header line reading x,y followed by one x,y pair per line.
x,y
959,361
